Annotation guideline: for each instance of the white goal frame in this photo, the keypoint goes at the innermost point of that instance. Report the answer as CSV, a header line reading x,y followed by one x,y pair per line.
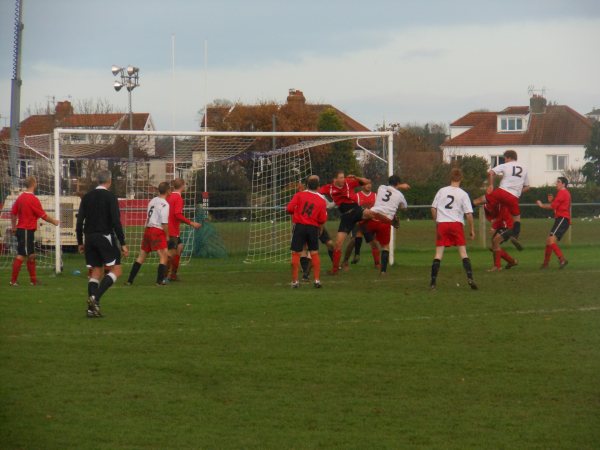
x,y
314,134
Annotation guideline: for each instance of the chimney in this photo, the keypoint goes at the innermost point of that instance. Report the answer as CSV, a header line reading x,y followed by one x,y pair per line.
x,y
296,97
537,104
63,109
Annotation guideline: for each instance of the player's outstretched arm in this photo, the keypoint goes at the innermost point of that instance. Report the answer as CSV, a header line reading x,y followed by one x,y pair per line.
x,y
51,220
434,213
543,205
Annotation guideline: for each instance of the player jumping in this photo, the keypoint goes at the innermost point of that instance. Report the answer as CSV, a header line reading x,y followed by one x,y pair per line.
x,y
501,224
514,182
155,235
389,201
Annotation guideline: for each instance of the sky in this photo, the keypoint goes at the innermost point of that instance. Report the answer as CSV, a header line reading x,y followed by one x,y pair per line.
x,y
393,61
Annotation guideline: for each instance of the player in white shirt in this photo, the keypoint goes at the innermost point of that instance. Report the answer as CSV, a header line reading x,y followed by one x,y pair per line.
x,y
155,235
389,201
449,208
514,182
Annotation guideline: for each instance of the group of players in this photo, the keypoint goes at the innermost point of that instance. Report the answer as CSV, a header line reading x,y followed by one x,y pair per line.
x,y
101,238
373,218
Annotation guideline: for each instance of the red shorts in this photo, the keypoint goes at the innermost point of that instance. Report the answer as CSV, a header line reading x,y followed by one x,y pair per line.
x,y
504,198
154,239
450,234
381,231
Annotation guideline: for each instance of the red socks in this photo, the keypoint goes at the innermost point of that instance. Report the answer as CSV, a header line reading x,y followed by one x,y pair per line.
x,y
174,266
506,257
557,250
497,257
295,266
17,263
316,263
376,258
31,270
337,255
547,254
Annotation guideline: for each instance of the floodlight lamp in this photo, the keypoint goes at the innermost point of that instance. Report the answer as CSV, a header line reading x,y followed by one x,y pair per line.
x,y
130,86
116,70
131,70
117,85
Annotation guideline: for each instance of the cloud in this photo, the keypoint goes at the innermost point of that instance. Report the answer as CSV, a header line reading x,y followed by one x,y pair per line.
x,y
420,74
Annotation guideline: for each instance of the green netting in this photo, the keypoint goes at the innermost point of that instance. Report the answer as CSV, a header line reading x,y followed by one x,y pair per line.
x,y
207,242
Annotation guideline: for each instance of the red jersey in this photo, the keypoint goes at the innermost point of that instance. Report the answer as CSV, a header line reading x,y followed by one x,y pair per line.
x,y
28,209
175,213
344,194
562,204
308,208
366,199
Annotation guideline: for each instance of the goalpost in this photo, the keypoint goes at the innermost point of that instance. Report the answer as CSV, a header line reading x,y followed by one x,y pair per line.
x,y
72,158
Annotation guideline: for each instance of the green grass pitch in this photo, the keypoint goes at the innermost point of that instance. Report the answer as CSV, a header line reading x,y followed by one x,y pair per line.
x,y
231,357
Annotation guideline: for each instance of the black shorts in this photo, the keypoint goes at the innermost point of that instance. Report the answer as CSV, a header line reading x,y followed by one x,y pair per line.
x,y
324,236
506,233
101,250
174,242
351,214
560,227
25,242
305,234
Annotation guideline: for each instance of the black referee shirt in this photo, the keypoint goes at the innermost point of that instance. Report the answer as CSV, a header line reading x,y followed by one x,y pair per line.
x,y
99,213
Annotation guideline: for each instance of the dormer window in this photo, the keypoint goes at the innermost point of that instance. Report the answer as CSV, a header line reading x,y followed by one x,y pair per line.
x,y
511,124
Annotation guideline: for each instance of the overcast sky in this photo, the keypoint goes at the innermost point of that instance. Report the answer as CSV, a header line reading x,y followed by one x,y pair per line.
x,y
398,61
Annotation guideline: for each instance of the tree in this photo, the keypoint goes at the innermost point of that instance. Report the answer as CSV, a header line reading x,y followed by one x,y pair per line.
x,y
337,156
591,169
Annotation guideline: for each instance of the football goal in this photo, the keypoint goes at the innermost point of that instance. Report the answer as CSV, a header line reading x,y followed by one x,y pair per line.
x,y
237,183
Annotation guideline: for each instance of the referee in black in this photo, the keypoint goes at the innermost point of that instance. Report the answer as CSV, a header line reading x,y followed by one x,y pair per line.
x,y
99,219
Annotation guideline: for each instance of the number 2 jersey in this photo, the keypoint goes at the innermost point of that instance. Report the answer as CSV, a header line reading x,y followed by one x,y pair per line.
x,y
158,213
308,208
452,203
388,201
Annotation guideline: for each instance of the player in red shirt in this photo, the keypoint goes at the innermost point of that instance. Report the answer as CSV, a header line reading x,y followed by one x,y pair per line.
x,y
309,214
26,211
561,204
176,217
366,199
502,223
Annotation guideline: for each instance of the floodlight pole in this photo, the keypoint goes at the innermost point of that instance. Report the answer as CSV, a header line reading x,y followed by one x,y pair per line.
x,y
15,94
130,78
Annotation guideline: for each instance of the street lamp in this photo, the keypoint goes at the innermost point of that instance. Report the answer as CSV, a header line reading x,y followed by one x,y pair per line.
x,y
130,79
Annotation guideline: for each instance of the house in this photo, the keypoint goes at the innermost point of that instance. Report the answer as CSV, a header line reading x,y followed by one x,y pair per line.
x,y
76,148
549,139
294,115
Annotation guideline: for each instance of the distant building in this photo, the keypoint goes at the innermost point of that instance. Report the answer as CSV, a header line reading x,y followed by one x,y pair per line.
x,y
548,139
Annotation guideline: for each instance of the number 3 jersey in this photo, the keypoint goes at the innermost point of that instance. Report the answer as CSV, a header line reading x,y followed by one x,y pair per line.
x,y
158,213
308,208
388,201
452,203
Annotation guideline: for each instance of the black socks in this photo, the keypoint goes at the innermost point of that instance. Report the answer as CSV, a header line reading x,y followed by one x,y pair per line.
x,y
134,271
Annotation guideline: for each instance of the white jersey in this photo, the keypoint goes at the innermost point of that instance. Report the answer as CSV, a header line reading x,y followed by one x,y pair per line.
x,y
158,213
514,177
452,203
389,199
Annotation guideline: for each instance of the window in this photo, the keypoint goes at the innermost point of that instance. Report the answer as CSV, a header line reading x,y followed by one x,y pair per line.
x,y
456,158
511,124
496,160
71,168
24,168
557,162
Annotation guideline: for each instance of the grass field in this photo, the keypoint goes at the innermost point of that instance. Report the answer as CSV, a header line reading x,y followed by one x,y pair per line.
x,y
231,357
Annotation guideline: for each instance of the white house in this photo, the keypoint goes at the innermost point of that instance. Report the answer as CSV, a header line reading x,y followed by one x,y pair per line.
x,y
548,139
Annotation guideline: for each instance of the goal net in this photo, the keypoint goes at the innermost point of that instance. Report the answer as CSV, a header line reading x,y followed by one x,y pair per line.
x,y
237,184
